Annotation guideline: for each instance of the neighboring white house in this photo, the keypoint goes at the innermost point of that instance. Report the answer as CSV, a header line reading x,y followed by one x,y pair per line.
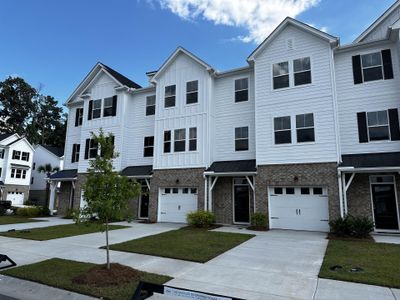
x,y
16,155
43,155
305,132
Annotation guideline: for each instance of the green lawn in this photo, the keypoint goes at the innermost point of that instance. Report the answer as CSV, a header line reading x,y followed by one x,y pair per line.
x,y
381,262
58,231
4,220
197,245
59,273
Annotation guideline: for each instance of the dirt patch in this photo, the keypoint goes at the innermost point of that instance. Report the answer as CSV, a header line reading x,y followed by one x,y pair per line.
x,y
332,236
99,276
257,228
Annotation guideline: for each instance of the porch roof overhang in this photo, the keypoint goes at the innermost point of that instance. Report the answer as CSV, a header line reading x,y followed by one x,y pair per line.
x,y
232,168
370,162
1,183
138,171
25,167
64,175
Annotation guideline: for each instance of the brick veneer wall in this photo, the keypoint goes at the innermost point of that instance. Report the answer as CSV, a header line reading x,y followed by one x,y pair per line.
x,y
16,188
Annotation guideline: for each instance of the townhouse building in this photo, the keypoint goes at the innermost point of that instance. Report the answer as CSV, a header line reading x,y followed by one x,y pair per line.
x,y
306,132
15,168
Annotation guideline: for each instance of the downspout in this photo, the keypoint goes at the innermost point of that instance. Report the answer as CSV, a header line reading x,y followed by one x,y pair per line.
x,y
340,193
205,192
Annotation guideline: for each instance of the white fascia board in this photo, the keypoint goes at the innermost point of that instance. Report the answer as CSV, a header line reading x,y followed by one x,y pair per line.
x,y
366,170
350,47
211,173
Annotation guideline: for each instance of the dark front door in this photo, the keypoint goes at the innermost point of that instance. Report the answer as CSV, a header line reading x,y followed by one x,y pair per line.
x,y
385,208
144,204
242,209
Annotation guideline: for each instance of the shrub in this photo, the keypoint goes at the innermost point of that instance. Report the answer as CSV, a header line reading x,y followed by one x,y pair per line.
x,y
200,219
2,211
259,220
33,211
358,227
71,213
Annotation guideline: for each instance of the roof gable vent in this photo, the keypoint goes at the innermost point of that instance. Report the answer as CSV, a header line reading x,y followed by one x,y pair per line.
x,y
289,44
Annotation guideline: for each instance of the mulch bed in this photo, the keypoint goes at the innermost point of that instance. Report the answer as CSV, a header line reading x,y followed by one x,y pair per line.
x,y
99,276
332,236
257,228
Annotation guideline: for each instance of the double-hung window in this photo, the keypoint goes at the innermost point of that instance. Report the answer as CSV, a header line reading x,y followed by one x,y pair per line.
x,y
193,139
148,148
150,105
167,141
372,67
241,90
280,73
79,116
242,138
305,128
282,130
192,92
25,156
16,154
93,148
96,109
170,93
302,71
2,153
378,125
108,107
179,140
76,148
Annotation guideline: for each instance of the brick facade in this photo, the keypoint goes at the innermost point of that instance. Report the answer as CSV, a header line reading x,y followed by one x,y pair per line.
x,y
319,174
16,188
175,178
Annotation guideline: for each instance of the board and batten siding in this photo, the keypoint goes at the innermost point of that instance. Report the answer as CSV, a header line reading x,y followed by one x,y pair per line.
x,y
136,127
316,98
181,70
73,136
368,96
229,115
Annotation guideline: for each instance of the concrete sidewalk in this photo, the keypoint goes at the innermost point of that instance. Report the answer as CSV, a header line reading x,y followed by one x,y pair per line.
x,y
47,221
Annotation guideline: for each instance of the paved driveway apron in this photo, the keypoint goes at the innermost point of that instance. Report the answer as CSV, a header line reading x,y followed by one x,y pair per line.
x,y
273,265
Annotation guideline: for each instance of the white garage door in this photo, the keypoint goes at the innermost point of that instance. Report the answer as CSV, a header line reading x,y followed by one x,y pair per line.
x,y
299,208
16,198
175,203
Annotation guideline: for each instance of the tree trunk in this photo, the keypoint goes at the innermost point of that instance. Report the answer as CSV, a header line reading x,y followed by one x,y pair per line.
x,y
108,247
47,191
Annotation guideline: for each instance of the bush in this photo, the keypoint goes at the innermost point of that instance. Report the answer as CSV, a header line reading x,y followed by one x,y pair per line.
x,y
358,227
71,213
259,220
33,211
200,219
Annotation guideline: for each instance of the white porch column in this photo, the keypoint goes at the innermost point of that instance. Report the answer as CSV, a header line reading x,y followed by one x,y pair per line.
x,y
205,193
340,184
254,192
53,189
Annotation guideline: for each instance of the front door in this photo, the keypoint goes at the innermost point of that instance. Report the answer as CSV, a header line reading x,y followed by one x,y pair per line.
x,y
241,201
385,207
144,203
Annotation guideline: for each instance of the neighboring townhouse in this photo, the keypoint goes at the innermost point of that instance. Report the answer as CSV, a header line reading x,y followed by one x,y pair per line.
x,y
44,154
15,168
308,131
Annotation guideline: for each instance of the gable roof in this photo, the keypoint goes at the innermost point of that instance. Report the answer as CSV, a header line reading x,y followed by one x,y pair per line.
x,y
297,24
377,22
120,79
68,174
57,151
171,58
19,139
3,136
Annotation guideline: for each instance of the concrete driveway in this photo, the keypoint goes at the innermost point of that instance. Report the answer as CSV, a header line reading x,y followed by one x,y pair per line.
x,y
273,265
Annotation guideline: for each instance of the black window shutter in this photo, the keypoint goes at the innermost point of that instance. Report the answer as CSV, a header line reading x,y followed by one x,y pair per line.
x,y
114,106
87,149
362,127
76,117
387,64
357,73
73,153
90,110
394,124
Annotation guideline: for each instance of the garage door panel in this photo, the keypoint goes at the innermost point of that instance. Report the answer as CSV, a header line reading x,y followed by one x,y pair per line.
x,y
173,207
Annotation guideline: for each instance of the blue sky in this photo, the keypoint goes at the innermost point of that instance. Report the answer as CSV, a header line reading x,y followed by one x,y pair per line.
x,y
56,43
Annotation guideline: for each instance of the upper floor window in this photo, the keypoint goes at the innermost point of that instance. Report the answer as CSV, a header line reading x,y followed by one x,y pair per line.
x,y
16,154
305,128
179,140
150,105
192,93
34,166
108,107
193,139
76,148
79,116
167,141
241,138
91,149
241,90
378,125
372,66
1,171
280,74
148,146
18,173
2,153
302,71
25,156
170,93
282,130
96,109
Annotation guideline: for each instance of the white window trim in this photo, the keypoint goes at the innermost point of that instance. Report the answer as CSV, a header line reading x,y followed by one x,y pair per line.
x,y
19,155
180,140
238,139
279,130
362,67
197,91
234,89
77,153
104,106
90,148
171,131
306,127
93,109
80,116
272,76
388,125
147,147
192,139
294,73
147,105
174,95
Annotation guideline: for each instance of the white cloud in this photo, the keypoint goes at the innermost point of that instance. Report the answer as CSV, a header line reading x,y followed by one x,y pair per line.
x,y
258,17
